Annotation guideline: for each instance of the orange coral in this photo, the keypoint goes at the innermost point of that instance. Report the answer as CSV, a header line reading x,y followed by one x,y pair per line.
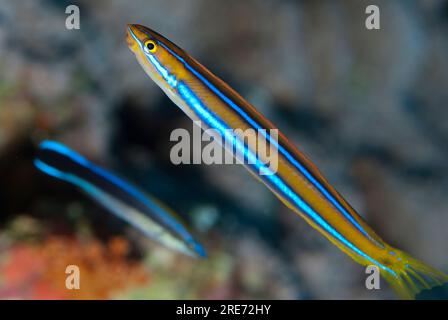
x,y
38,272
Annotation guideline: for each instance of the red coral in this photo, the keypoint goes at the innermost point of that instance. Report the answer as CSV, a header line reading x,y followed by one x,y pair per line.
x,y
38,272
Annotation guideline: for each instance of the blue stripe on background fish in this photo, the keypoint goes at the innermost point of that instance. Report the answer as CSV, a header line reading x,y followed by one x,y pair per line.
x,y
297,182
121,198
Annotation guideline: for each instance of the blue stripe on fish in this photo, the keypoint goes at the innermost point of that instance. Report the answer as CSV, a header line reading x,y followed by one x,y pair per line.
x,y
282,150
195,103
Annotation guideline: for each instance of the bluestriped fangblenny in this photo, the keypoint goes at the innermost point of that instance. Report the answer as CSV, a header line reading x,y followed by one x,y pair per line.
x,y
297,182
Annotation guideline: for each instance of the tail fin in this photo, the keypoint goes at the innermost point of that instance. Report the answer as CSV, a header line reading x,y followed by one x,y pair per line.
x,y
412,276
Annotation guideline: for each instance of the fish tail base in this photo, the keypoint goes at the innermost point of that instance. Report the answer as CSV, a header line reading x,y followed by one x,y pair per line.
x,y
412,276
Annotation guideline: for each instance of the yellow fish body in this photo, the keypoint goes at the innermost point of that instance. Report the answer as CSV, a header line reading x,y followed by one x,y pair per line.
x,y
297,182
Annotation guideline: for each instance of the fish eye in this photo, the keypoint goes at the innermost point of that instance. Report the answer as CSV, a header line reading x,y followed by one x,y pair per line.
x,y
150,46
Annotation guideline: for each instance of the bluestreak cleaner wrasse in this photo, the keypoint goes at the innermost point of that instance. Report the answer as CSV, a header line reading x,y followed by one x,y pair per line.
x,y
297,182
121,198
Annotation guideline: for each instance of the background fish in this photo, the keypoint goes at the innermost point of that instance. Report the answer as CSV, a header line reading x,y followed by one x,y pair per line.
x,y
121,198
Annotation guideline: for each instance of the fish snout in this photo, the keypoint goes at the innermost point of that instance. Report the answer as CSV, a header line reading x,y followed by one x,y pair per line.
x,y
132,38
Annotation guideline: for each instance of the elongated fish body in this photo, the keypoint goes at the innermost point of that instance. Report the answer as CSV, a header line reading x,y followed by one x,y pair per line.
x,y
296,182
121,198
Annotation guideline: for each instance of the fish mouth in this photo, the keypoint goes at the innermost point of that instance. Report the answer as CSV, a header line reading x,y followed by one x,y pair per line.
x,y
132,38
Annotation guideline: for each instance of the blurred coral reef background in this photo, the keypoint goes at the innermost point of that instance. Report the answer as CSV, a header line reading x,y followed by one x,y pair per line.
x,y
369,107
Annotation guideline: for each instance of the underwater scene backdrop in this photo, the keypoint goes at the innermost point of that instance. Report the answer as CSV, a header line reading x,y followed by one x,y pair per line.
x,y
369,107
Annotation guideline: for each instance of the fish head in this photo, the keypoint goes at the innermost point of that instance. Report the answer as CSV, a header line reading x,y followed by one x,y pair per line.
x,y
161,59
